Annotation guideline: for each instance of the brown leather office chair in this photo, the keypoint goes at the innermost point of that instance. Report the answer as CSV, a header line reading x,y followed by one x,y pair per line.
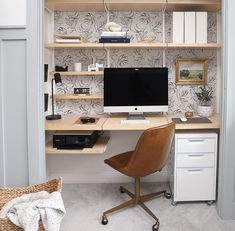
x,y
150,155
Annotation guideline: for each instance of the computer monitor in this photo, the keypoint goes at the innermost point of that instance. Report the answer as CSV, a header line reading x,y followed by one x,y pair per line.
x,y
133,90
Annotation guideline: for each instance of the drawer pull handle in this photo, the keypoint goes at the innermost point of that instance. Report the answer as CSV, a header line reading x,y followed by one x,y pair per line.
x,y
200,155
196,140
195,170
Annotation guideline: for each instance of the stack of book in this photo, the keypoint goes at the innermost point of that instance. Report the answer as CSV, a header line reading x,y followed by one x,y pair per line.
x,y
65,38
114,37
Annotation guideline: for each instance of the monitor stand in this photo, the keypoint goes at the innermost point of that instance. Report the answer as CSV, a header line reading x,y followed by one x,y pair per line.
x,y
135,118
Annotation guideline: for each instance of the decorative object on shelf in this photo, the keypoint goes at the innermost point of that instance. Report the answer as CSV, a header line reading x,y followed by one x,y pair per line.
x,y
45,72
189,27
78,67
61,69
178,27
96,67
113,34
188,114
201,27
205,95
191,71
113,27
114,40
148,39
57,79
82,90
64,38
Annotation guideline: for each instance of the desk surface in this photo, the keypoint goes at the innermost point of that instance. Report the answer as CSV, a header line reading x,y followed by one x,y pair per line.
x,y
69,122
114,123
214,125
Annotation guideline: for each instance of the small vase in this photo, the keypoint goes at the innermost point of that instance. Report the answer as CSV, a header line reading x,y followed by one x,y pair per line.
x,y
205,111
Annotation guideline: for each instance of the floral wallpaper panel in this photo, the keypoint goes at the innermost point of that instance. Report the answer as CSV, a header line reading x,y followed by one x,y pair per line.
x,y
138,25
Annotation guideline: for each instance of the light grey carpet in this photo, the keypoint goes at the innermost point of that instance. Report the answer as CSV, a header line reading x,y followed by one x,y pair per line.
x,y
86,202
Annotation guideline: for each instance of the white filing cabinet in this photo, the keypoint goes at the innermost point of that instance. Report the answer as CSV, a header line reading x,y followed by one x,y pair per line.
x,y
192,167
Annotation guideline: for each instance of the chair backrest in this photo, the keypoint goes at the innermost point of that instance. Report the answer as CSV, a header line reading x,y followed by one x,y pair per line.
x,y
152,150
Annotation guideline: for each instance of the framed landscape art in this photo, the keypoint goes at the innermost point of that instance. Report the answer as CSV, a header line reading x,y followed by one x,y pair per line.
x,y
191,71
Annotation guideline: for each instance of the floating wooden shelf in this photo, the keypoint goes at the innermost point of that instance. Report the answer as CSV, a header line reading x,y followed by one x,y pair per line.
x,y
80,73
196,45
75,45
134,5
133,45
69,122
98,148
73,96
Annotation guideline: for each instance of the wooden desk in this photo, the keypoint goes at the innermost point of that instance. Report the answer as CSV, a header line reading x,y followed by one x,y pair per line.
x,y
114,123
203,126
69,123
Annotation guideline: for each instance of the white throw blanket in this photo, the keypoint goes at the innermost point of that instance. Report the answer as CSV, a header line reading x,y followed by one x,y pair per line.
x,y
26,211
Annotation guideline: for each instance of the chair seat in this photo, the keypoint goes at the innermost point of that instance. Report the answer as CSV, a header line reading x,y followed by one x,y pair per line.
x,y
119,162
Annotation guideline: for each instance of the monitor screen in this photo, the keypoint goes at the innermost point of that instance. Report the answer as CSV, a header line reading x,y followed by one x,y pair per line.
x,y
136,89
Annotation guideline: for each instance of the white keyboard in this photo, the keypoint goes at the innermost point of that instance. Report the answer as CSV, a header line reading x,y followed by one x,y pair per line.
x,y
135,121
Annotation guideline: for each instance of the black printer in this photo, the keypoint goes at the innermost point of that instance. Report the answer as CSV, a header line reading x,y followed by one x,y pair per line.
x,y
74,139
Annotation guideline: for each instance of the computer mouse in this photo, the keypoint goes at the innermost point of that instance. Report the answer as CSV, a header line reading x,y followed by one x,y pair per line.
x,y
183,119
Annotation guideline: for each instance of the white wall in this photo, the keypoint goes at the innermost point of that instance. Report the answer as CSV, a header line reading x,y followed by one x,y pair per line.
x,y
22,145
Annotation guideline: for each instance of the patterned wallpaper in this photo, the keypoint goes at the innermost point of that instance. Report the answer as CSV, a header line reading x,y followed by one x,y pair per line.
x,y
138,26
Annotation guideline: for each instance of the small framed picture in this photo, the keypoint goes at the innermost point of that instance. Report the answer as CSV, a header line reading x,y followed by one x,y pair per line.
x,y
191,71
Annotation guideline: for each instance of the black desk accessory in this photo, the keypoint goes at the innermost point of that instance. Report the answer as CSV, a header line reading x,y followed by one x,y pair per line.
x,y
61,69
46,95
82,90
86,120
57,79
45,72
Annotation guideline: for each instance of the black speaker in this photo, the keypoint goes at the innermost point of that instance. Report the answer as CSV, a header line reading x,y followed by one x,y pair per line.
x,y
45,72
46,95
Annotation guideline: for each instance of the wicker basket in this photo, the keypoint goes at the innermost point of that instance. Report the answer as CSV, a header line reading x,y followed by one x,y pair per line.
x,y
7,194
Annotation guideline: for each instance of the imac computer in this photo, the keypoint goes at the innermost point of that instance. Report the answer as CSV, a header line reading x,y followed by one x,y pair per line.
x,y
136,90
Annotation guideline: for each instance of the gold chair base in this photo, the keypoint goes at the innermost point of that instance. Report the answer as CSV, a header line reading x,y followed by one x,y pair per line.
x,y
136,200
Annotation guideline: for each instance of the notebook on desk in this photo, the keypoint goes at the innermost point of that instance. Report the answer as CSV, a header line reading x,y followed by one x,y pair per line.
x,y
197,120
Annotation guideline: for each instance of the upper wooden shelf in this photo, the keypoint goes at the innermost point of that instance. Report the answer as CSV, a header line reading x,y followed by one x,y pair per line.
x,y
80,73
133,5
74,96
132,45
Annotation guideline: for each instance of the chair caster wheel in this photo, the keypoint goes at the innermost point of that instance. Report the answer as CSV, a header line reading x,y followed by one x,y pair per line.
x,y
155,227
173,203
210,202
121,189
167,195
104,220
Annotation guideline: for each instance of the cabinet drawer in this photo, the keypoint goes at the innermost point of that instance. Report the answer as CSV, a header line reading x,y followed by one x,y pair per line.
x,y
195,144
195,184
195,160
